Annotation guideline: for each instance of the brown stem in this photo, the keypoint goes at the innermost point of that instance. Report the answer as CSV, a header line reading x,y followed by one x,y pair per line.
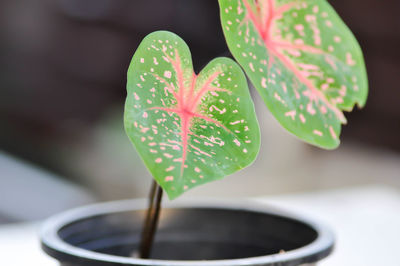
x,y
151,221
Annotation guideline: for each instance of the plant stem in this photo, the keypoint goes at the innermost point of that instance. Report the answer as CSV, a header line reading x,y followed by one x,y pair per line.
x,y
151,221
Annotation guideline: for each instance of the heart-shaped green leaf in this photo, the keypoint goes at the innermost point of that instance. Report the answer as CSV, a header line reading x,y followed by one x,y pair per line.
x,y
189,129
302,59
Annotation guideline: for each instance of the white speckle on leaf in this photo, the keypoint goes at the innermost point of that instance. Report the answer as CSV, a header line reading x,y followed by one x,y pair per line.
x,y
167,74
264,82
237,142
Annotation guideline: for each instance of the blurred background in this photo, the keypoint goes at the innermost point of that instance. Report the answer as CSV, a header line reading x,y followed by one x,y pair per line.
x,y
62,76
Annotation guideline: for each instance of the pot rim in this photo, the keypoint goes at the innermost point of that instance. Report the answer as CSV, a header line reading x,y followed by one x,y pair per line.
x,y
52,244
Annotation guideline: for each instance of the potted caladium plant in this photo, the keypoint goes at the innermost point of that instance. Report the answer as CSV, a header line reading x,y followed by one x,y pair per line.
x,y
192,128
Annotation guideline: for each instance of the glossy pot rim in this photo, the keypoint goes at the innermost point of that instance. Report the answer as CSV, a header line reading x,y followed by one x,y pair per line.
x,y
52,244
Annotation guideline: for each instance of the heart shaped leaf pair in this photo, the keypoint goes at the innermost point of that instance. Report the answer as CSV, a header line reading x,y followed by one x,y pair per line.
x,y
302,59
189,129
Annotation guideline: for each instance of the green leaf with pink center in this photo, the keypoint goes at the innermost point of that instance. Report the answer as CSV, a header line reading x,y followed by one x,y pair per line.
x,y
302,59
189,129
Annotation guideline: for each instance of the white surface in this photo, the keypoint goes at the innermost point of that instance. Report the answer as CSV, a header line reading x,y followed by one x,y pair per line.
x,y
366,221
19,246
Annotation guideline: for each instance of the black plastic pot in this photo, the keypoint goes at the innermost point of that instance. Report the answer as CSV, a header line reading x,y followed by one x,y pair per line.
x,y
189,234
